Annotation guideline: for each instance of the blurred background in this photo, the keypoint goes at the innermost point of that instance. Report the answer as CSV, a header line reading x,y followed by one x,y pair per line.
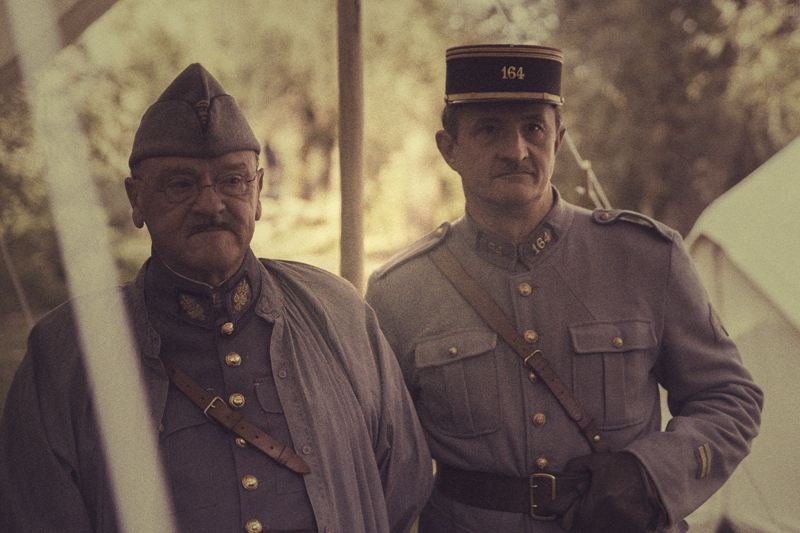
x,y
670,103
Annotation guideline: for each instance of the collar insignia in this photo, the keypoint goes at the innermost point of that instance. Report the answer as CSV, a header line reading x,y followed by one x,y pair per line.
x,y
241,295
192,308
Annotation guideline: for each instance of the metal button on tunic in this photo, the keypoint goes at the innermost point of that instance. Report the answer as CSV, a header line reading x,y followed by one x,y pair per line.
x,y
253,526
617,342
227,328
233,359
250,482
531,336
524,289
541,463
539,420
453,351
532,376
241,443
236,400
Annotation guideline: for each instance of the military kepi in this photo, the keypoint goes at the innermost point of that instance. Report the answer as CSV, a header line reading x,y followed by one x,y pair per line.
x,y
193,117
503,72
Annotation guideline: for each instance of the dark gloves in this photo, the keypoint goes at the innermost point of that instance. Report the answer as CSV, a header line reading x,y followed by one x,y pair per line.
x,y
620,498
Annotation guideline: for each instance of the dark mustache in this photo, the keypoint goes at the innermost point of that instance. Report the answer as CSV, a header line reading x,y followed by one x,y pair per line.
x,y
514,168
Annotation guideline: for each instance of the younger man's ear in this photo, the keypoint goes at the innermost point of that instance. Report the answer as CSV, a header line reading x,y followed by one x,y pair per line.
x,y
446,145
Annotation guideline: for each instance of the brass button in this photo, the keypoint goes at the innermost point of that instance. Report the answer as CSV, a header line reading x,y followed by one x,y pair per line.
x,y
161,428
250,482
531,336
282,374
524,289
439,231
227,328
617,342
233,359
539,419
306,450
241,443
532,376
453,351
253,526
236,400
541,463
604,216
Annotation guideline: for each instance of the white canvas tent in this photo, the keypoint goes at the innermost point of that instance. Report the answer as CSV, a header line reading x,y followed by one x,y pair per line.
x,y
746,246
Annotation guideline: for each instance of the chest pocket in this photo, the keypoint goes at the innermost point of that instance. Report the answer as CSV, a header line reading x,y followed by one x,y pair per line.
x,y
458,381
612,370
187,443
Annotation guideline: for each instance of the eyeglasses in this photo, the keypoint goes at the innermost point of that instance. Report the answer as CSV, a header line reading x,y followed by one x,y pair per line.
x,y
180,190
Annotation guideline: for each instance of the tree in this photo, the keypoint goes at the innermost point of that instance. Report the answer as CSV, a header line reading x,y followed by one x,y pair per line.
x,y
666,111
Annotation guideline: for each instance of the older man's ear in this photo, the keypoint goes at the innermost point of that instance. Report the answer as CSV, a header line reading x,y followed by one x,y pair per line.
x,y
132,188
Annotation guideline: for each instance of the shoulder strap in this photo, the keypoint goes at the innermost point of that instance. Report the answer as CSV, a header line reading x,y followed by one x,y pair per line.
x,y
215,408
491,313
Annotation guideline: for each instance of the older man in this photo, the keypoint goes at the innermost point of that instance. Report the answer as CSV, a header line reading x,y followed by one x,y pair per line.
x,y
534,335
278,402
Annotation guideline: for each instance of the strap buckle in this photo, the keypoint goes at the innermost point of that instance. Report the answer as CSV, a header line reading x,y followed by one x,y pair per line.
x,y
537,480
211,406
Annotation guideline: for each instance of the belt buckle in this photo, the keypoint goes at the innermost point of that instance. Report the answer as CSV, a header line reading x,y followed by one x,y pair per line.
x,y
211,406
534,483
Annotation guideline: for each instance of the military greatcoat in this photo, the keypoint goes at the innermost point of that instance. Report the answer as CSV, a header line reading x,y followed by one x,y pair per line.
x,y
305,358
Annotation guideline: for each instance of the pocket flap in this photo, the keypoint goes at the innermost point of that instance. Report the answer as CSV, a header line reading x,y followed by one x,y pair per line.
x,y
181,413
454,347
611,337
268,397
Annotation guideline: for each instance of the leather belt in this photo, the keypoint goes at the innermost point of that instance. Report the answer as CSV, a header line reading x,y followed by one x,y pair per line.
x,y
532,494
216,409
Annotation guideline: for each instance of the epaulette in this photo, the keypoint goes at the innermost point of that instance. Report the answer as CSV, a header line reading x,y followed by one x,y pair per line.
x,y
606,217
420,247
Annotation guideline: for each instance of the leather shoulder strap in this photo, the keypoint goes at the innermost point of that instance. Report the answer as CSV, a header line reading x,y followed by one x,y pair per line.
x,y
491,313
216,409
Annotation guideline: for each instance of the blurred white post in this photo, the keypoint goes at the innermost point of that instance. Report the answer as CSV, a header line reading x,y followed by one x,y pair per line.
x,y
113,372
351,134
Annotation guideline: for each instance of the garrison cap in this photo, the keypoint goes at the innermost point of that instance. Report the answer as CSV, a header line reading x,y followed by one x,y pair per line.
x,y
503,72
193,117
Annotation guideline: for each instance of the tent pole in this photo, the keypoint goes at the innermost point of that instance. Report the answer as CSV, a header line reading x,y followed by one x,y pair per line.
x,y
351,127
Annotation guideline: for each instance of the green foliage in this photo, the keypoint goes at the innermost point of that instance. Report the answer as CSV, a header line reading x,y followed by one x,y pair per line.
x,y
672,102
676,101
24,217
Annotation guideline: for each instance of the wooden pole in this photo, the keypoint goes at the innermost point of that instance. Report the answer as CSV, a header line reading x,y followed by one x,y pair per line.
x,y
351,134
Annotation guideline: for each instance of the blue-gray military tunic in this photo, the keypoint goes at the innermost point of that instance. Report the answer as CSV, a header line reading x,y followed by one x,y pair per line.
x,y
214,336
294,347
612,300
